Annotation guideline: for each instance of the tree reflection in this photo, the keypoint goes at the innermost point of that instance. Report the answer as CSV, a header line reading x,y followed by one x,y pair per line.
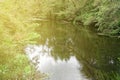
x,y
98,55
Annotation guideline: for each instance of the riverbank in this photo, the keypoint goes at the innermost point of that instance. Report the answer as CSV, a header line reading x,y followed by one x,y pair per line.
x,y
104,14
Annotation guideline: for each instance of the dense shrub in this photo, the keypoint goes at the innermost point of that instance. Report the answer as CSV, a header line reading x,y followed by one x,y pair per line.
x,y
105,14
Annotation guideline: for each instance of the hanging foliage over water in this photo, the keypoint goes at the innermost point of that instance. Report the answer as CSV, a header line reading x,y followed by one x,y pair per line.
x,y
104,14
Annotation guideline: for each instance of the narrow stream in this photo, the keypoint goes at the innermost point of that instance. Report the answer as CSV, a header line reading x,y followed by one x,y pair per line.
x,y
68,52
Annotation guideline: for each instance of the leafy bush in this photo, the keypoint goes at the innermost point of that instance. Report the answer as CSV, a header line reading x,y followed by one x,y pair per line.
x,y
103,13
15,33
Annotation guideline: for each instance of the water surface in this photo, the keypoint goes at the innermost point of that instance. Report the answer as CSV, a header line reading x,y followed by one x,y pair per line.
x,y
68,52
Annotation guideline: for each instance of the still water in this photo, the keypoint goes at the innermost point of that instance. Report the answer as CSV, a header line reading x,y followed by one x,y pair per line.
x,y
68,52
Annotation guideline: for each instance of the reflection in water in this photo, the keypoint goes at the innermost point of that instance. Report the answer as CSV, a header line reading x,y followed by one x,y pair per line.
x,y
61,45
57,69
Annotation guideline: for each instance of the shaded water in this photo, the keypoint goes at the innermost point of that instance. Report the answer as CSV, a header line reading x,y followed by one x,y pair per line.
x,y
67,52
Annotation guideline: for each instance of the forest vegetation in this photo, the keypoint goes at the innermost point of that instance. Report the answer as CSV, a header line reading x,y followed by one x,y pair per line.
x,y
102,15
16,26
15,34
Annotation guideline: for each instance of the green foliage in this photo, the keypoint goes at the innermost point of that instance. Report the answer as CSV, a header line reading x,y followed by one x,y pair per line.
x,y
103,13
15,33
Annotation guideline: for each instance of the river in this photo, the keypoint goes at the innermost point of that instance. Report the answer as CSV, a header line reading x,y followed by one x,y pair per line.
x,y
73,52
